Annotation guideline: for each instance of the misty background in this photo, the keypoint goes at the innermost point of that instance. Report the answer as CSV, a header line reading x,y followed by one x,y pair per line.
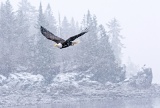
x,y
116,61
24,49
139,23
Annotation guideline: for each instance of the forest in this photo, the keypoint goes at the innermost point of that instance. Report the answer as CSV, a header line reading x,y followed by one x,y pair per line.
x,y
24,49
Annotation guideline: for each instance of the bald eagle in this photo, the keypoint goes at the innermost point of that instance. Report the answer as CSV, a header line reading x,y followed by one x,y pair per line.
x,y
61,43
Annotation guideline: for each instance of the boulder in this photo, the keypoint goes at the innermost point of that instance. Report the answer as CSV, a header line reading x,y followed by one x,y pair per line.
x,y
143,79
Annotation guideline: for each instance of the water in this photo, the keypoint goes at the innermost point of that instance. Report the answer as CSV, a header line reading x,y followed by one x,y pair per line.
x,y
102,103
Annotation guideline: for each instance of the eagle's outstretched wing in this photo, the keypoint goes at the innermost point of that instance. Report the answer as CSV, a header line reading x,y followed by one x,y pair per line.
x,y
51,36
78,35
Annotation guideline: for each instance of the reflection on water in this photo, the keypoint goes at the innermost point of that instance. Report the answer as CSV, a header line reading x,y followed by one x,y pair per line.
x,y
103,103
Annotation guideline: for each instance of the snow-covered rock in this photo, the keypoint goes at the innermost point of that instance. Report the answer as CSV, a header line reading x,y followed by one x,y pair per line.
x,y
65,77
63,83
2,79
23,81
75,79
25,88
143,79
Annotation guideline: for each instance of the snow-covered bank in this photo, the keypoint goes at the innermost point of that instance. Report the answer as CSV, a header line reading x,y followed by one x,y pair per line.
x,y
26,88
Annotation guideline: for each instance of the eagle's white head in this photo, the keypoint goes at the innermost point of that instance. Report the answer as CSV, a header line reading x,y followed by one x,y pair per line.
x,y
59,45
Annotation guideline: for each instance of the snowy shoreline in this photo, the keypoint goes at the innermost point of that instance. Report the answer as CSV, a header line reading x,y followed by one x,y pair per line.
x,y
23,88
22,99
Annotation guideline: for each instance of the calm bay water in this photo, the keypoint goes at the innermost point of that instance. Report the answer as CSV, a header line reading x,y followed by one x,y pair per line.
x,y
102,103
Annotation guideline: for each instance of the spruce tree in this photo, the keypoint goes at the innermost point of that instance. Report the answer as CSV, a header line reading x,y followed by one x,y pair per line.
x,y
22,32
105,68
73,28
65,28
115,39
50,20
88,51
45,58
26,36
8,37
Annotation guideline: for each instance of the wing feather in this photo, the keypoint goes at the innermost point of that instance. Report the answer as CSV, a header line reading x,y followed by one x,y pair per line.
x,y
51,36
76,36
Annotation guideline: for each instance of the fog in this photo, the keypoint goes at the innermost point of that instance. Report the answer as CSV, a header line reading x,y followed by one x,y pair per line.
x,y
139,21
116,59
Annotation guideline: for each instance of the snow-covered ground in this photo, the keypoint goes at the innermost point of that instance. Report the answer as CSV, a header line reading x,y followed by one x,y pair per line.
x,y
25,88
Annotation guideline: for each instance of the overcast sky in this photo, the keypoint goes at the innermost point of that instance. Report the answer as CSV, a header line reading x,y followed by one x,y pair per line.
x,y
139,20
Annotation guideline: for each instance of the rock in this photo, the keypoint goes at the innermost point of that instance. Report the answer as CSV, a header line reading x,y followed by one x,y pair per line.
x,y
2,80
24,81
142,80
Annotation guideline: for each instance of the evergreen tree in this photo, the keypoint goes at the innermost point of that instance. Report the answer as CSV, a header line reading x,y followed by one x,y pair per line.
x,y
22,32
41,19
65,28
115,37
1,16
105,68
7,25
89,46
50,20
2,49
44,53
73,28
8,21
97,54
25,40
